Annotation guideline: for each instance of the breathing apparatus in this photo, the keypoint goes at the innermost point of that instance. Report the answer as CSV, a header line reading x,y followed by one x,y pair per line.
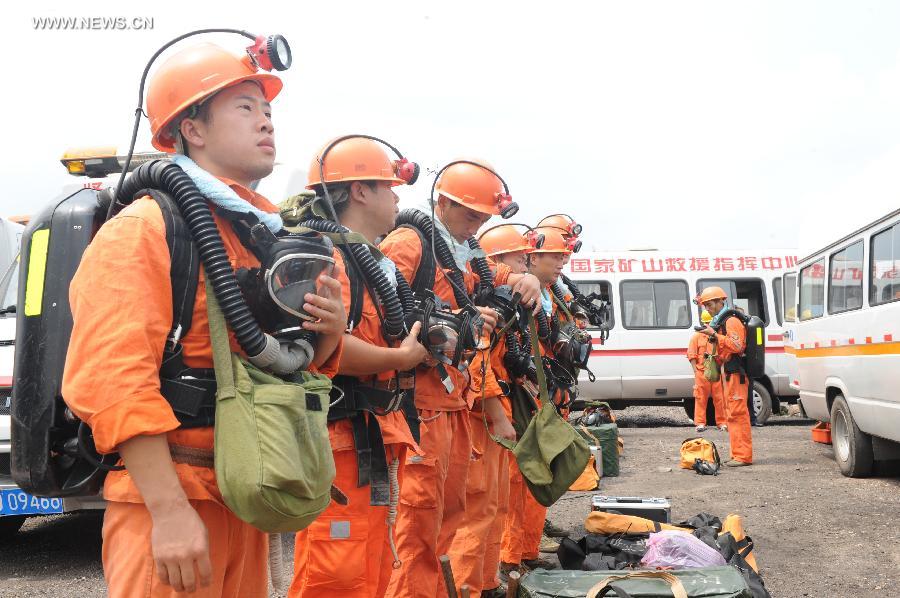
x,y
597,310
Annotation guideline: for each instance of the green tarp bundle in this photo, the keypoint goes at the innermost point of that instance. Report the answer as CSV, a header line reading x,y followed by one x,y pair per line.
x,y
708,582
607,435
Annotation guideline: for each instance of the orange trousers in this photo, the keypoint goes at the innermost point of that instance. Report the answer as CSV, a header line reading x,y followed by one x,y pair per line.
x,y
347,548
702,389
432,503
475,552
238,552
739,436
524,523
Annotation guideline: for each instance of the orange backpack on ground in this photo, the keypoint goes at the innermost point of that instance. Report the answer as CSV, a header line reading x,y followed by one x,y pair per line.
x,y
698,448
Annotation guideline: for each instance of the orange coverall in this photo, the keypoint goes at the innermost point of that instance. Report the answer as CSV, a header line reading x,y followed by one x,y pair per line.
x,y
475,552
346,549
433,496
735,389
121,301
697,349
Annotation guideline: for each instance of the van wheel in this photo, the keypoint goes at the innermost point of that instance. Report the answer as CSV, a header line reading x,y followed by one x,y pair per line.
x,y
9,526
710,411
762,402
852,447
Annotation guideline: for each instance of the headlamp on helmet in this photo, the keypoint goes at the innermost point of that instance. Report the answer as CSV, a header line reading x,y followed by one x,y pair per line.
x,y
270,52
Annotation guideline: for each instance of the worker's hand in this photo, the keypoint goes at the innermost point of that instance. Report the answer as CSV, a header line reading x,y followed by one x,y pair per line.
x,y
328,306
489,315
411,351
180,546
530,289
709,332
503,428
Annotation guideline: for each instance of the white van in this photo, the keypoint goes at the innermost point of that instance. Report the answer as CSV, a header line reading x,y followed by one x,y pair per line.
x,y
846,342
651,292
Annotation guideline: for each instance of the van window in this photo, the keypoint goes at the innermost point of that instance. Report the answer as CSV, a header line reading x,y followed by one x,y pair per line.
x,y
812,291
790,297
748,294
884,273
779,310
655,304
603,288
845,279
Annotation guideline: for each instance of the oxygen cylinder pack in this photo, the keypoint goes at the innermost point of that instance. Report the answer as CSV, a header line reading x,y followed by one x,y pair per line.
x,y
45,454
755,352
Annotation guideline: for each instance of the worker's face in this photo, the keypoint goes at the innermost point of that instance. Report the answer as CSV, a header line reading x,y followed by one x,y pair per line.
x,y
237,140
462,222
516,260
547,266
379,202
714,306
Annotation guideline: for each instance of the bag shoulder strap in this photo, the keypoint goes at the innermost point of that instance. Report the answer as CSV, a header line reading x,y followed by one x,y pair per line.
x,y
354,311
538,360
221,349
425,273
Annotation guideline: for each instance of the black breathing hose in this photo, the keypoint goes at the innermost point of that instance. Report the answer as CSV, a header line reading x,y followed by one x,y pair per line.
x,y
405,293
394,324
166,176
557,292
543,325
480,265
573,288
423,223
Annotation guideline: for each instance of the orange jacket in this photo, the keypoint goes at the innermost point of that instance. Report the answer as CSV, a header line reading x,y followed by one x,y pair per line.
x,y
121,300
733,341
394,428
404,248
698,348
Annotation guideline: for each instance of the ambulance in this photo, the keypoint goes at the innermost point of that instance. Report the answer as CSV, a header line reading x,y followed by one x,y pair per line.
x,y
651,292
845,343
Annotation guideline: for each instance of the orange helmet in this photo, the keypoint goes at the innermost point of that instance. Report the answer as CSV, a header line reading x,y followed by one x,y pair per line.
x,y
555,240
505,238
193,75
360,158
477,186
710,293
563,221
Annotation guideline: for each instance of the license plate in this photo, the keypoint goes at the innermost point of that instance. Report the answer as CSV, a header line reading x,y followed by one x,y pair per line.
x,y
16,502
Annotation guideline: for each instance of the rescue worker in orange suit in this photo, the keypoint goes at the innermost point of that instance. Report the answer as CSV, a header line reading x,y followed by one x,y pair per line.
x,y
348,548
698,348
525,516
475,552
731,338
432,500
166,529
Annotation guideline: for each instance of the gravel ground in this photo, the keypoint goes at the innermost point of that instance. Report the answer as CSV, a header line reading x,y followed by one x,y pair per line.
x,y
817,533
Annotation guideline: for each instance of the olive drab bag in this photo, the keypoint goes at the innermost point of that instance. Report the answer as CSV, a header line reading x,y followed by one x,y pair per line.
x,y
711,369
551,455
274,464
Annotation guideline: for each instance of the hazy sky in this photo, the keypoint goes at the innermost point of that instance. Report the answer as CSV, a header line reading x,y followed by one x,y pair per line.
x,y
695,125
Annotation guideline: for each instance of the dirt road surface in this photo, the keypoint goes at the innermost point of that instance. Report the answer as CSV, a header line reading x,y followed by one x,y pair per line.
x,y
817,533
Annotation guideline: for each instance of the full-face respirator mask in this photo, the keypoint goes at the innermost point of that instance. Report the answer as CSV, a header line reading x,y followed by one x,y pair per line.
x,y
450,337
290,267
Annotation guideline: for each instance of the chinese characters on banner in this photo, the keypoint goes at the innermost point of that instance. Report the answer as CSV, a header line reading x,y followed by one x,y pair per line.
x,y
650,265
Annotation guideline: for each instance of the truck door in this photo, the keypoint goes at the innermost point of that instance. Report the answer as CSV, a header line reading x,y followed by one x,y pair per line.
x,y
604,363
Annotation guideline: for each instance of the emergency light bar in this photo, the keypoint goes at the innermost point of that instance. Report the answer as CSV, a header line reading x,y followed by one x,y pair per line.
x,y
102,161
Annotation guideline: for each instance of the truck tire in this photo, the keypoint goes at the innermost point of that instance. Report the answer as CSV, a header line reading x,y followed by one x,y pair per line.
x,y
852,447
762,402
9,526
710,411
